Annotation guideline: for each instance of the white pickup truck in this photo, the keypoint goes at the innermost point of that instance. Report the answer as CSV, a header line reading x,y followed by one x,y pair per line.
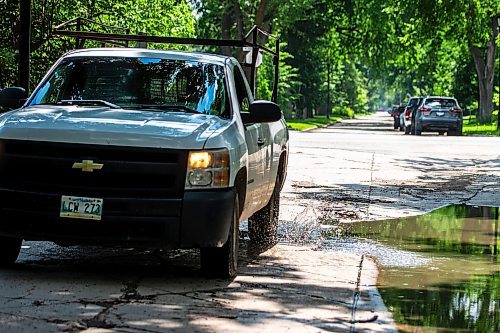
x,y
141,148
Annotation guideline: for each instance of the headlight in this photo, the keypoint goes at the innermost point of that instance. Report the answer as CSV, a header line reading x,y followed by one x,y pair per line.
x,y
200,160
208,169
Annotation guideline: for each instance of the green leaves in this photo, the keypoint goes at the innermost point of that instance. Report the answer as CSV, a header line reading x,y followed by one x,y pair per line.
x,y
155,17
370,51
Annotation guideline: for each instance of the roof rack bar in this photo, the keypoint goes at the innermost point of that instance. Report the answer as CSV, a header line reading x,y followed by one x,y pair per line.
x,y
122,39
67,23
260,31
253,69
276,63
98,36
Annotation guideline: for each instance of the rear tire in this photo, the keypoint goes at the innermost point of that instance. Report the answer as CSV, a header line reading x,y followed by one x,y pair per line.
x,y
455,132
222,262
407,130
401,128
418,127
9,250
441,132
263,225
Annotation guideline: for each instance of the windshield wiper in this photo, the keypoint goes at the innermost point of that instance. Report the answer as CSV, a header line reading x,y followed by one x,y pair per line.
x,y
88,102
183,108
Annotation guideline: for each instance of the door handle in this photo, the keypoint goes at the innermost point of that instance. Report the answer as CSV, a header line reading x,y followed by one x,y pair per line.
x,y
260,141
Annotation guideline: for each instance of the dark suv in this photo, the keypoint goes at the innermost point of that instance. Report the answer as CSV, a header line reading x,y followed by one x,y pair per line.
x,y
439,114
396,113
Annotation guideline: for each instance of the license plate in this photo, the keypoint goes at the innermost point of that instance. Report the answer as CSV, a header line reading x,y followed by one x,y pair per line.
x,y
440,114
81,207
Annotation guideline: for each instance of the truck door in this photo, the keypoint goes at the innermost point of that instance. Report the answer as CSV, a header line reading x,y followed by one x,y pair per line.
x,y
255,145
271,158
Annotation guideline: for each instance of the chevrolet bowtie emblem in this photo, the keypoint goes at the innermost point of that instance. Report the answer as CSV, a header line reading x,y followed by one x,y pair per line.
x,y
87,166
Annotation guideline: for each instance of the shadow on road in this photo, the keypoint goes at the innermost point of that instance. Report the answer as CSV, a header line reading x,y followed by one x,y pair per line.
x,y
76,288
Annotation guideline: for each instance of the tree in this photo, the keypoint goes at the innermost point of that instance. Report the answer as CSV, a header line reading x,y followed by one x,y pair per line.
x,y
431,35
231,19
485,67
156,17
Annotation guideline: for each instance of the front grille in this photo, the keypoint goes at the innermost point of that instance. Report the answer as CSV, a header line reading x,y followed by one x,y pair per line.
x,y
128,172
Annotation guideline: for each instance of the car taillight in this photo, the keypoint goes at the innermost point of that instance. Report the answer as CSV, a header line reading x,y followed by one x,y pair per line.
x,y
425,110
407,113
456,110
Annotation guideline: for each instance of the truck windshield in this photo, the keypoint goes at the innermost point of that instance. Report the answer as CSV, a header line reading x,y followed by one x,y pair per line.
x,y
137,83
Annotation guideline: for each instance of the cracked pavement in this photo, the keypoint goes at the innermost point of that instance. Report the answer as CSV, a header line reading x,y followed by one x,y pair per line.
x,y
54,289
357,170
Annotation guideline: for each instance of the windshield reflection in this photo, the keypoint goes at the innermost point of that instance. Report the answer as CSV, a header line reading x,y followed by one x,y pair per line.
x,y
137,83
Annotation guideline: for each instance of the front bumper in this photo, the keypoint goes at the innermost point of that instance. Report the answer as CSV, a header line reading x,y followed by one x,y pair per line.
x,y
199,219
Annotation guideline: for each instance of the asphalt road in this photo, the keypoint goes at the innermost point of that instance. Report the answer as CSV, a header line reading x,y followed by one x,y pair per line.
x,y
357,170
364,170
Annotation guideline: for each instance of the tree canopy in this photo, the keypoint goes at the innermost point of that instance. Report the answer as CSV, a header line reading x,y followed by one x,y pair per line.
x,y
155,17
351,55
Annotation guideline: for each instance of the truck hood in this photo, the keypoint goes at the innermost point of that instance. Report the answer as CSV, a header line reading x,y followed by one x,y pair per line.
x,y
105,126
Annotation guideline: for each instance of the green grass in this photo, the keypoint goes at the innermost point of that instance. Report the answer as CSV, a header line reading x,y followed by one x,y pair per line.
x,y
310,123
480,129
316,121
471,127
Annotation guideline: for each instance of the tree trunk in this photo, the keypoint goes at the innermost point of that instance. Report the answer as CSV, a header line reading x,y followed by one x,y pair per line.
x,y
485,111
226,25
232,16
485,68
262,19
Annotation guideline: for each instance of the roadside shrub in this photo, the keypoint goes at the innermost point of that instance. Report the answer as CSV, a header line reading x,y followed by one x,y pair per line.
x,y
343,111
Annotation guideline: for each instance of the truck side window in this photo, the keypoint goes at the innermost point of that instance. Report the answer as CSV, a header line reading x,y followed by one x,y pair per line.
x,y
241,90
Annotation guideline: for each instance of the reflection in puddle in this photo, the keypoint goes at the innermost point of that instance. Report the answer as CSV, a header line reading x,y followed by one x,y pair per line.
x,y
438,272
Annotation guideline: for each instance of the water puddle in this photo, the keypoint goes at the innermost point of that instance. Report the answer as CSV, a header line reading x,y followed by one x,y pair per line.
x,y
439,272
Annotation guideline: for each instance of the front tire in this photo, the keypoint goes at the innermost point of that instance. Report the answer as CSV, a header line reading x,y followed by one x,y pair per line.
x,y
222,262
9,250
263,225
407,130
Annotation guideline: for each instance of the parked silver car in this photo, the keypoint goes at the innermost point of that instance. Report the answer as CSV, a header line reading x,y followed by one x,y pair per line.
x,y
439,114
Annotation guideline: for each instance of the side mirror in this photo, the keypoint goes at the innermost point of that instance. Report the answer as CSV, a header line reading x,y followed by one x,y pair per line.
x,y
12,98
262,112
